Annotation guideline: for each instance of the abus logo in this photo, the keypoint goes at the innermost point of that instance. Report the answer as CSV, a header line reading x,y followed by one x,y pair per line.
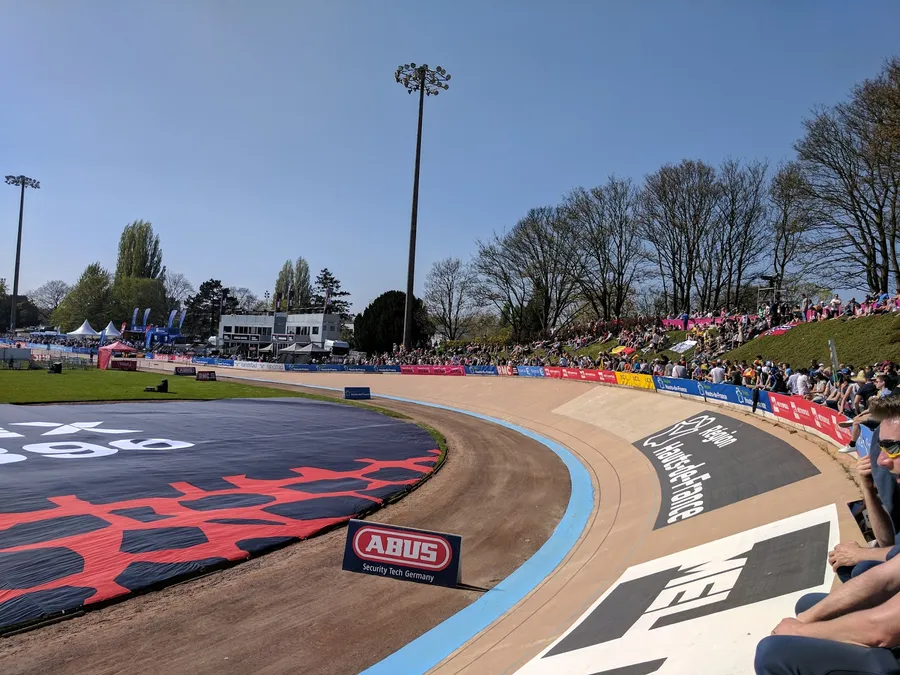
x,y
423,551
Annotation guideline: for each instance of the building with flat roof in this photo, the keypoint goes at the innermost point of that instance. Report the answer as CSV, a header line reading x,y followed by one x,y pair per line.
x,y
279,329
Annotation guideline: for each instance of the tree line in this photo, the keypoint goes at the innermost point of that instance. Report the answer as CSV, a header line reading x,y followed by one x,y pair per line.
x,y
696,237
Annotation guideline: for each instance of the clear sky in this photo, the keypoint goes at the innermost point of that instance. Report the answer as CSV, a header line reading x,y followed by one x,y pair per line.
x,y
250,132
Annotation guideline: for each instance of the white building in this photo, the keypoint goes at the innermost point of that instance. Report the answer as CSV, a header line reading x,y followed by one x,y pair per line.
x,y
279,329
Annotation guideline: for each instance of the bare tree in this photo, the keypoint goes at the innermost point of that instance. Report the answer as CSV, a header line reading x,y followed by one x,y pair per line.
x,y
49,296
736,242
606,250
791,223
501,284
450,289
851,158
178,288
246,299
678,209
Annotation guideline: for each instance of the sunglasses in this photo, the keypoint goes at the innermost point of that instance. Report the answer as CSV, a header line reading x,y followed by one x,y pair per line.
x,y
890,448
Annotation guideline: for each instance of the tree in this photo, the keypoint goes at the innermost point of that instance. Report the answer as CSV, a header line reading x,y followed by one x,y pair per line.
x,y
284,286
245,298
140,254
450,289
178,288
380,326
131,292
91,298
205,307
3,289
791,224
501,285
27,314
606,248
678,209
302,287
325,281
48,296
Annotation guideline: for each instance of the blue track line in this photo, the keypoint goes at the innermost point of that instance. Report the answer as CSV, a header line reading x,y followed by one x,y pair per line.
x,y
429,649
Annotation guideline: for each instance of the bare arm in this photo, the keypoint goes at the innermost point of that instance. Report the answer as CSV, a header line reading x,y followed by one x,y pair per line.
x,y
875,627
863,592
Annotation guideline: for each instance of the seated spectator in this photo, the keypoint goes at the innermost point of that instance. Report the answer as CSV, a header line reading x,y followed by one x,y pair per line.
x,y
854,628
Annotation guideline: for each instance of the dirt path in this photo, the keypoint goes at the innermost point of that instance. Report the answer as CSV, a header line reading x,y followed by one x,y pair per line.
x,y
294,610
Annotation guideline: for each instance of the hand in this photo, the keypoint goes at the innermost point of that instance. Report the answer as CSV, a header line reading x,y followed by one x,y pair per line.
x,y
788,626
864,468
844,556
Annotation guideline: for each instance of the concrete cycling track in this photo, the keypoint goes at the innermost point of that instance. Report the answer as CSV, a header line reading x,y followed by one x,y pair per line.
x,y
598,424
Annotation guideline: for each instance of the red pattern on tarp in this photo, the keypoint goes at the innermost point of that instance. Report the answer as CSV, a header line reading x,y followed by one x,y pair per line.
x,y
104,561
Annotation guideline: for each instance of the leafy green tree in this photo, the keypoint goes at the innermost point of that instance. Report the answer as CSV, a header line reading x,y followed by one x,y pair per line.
x,y
140,254
284,285
204,307
131,292
302,287
27,314
336,303
380,326
91,298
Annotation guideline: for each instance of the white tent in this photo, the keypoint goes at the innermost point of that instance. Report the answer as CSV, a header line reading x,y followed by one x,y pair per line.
x,y
84,330
111,331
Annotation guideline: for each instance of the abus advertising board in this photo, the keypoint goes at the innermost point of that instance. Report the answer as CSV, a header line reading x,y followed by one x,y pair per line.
x,y
403,553
186,370
710,460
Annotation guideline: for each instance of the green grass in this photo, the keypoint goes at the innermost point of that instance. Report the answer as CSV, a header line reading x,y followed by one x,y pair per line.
x,y
860,342
37,386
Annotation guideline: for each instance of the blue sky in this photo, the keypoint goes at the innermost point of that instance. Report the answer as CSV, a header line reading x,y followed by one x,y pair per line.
x,y
248,133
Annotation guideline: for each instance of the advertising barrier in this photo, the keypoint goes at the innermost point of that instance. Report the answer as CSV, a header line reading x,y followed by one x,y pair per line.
x,y
812,415
530,371
481,370
388,369
123,364
571,373
210,361
301,367
403,553
185,370
433,370
206,376
357,393
864,442
676,385
506,370
360,369
331,367
638,380
553,371
729,393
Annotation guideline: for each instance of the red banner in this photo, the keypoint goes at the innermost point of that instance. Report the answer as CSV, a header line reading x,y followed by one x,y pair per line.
x,y
809,414
571,373
553,371
433,370
506,370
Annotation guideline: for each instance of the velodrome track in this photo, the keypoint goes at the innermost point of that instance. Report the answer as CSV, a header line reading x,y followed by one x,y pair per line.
x,y
618,548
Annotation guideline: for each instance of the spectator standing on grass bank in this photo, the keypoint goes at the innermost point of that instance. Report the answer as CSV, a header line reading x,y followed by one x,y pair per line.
x,y
855,628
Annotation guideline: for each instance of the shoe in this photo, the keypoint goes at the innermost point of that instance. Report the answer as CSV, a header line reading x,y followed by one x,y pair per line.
x,y
847,449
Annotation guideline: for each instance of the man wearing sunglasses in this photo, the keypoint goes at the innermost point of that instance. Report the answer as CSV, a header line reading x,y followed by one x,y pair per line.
x,y
856,627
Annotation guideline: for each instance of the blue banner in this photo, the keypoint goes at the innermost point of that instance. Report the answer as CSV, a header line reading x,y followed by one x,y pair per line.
x,y
360,369
737,395
864,442
530,371
209,361
357,393
332,367
481,370
302,367
387,369
677,385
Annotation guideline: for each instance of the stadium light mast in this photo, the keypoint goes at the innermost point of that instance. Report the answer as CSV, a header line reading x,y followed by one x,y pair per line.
x,y
428,82
21,182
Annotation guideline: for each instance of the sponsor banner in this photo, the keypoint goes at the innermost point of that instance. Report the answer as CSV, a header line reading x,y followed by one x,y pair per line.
x,y
357,393
388,369
258,365
864,442
811,415
331,367
301,367
506,370
638,380
481,370
553,371
676,385
729,393
433,370
571,373
530,371
780,330
185,370
206,376
123,364
360,369
705,462
403,553
724,595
